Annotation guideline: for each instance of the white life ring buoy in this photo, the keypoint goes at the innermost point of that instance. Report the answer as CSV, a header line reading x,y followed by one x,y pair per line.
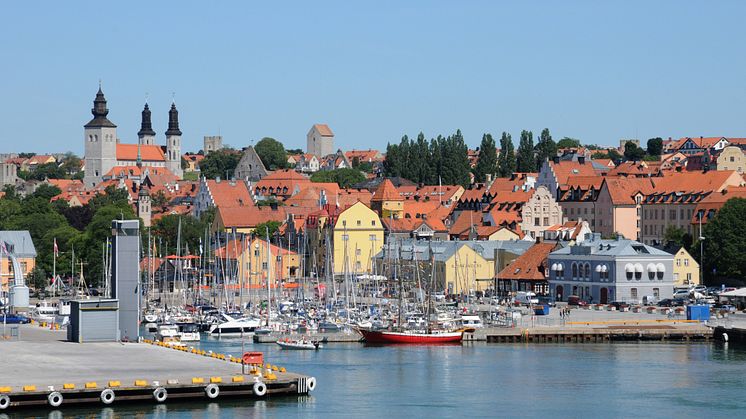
x,y
260,389
55,399
160,394
107,396
212,391
4,401
311,383
725,337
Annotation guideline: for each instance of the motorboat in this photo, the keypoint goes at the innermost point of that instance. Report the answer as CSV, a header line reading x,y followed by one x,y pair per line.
x,y
167,332
471,320
188,332
235,327
44,312
300,344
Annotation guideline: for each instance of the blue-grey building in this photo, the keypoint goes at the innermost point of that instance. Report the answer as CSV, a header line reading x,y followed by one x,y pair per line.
x,y
602,271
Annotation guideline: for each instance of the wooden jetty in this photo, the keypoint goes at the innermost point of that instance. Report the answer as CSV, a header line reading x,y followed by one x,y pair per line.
x,y
58,374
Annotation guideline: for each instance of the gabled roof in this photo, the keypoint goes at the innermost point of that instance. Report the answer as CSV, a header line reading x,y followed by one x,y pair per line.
x,y
531,265
619,247
228,194
324,130
23,245
386,191
712,181
623,190
249,217
147,152
564,169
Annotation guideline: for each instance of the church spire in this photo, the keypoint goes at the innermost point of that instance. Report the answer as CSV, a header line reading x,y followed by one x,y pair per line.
x,y
100,111
146,127
173,121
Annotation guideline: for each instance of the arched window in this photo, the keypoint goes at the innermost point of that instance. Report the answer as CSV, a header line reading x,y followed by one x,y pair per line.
x,y
574,270
581,274
587,271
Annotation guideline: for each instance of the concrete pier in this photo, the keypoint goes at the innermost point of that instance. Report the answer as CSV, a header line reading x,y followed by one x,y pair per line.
x,y
594,333
46,369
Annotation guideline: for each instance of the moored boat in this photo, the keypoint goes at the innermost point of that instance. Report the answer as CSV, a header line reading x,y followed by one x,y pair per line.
x,y
412,337
302,344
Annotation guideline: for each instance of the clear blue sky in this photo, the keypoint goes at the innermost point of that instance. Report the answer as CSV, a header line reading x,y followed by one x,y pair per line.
x,y
598,71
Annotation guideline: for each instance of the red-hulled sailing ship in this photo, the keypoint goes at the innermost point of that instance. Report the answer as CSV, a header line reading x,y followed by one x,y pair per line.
x,y
412,337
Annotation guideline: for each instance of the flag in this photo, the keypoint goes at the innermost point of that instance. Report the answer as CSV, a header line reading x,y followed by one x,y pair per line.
x,y
56,250
3,248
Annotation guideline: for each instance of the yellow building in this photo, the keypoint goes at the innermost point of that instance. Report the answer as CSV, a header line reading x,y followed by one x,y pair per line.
x,y
387,201
253,267
685,269
731,158
465,270
357,237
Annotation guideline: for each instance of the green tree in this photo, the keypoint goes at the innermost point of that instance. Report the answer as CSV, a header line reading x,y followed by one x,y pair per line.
x,y
345,177
46,191
725,241
294,151
487,160
676,238
567,142
506,162
364,166
632,152
525,159
192,230
71,164
546,148
655,146
272,153
272,226
220,163
47,171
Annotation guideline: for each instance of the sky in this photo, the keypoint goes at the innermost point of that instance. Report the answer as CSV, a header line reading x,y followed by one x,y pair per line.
x,y
372,71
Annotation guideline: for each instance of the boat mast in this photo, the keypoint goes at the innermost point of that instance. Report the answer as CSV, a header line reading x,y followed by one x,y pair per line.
x,y
269,281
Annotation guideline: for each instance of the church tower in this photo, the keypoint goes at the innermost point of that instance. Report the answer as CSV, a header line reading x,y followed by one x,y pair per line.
x,y
144,210
100,137
173,143
146,135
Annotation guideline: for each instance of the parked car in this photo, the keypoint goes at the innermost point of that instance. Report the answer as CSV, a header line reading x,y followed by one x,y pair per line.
x,y
574,300
726,307
13,319
672,302
682,294
525,298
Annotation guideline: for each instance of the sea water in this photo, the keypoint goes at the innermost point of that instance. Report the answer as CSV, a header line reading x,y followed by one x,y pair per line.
x,y
480,380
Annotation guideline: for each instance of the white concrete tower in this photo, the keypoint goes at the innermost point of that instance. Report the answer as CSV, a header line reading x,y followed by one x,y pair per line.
x,y
146,135
173,143
100,138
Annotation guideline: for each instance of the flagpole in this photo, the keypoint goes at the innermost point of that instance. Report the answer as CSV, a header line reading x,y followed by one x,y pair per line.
x,y
54,269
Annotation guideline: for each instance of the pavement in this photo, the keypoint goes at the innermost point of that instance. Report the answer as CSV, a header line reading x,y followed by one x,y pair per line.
x,y
43,359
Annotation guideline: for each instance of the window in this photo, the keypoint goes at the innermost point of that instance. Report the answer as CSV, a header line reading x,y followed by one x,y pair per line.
x,y
638,275
536,221
675,277
357,252
574,270
689,278
264,265
581,270
358,265
373,223
344,223
651,275
656,293
686,262
256,252
633,293
546,221
678,262
587,271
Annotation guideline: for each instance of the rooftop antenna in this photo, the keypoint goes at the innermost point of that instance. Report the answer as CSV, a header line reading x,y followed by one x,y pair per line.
x,y
99,84
173,97
146,97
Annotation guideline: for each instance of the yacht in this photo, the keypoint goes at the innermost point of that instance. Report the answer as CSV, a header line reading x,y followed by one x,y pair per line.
x,y
188,332
233,326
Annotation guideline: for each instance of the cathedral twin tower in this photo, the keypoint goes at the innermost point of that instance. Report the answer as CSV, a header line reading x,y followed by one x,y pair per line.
x,y
103,152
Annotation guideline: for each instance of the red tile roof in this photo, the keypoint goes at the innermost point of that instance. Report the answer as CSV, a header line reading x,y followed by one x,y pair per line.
x,y
228,194
281,183
563,170
623,190
710,205
530,266
249,217
147,152
386,191
324,130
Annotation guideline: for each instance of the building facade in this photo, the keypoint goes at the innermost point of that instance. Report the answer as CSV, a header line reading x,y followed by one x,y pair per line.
x,y
602,271
320,140
250,168
357,236
540,212
731,158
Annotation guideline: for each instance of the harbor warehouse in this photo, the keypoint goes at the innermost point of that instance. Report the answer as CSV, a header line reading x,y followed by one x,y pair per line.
x,y
601,271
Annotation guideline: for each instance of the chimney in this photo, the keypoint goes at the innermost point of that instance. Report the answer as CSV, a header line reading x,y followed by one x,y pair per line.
x,y
217,179
581,159
556,159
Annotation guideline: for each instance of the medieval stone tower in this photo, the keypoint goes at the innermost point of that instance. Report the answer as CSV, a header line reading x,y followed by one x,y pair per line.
x,y
100,137
173,143
144,210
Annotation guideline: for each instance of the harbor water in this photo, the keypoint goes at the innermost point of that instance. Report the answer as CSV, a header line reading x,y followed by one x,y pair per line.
x,y
480,380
